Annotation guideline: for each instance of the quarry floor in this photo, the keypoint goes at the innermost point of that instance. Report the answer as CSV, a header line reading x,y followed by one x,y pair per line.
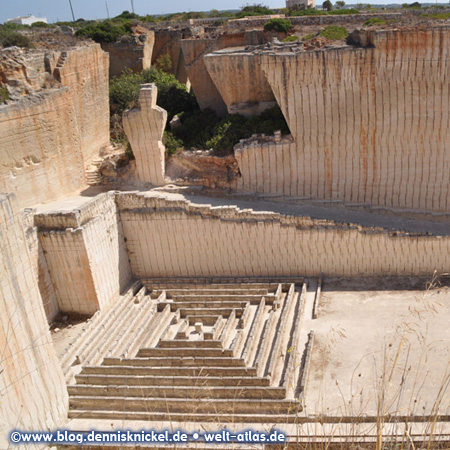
x,y
380,345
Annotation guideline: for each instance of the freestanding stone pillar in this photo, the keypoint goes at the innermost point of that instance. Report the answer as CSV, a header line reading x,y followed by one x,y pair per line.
x,y
144,126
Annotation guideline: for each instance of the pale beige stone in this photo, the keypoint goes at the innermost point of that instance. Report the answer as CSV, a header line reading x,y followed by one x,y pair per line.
x,y
144,126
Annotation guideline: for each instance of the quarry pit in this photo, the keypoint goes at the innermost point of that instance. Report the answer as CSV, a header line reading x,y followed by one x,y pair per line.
x,y
299,282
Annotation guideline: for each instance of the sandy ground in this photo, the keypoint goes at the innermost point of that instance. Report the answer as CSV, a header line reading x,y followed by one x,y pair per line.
x,y
377,348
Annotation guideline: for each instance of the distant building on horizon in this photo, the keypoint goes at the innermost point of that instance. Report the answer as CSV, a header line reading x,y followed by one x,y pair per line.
x,y
27,20
307,4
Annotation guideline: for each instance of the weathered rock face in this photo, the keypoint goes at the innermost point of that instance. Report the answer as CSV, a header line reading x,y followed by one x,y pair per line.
x,y
369,125
131,52
85,255
168,42
47,138
202,167
32,385
202,81
144,127
246,91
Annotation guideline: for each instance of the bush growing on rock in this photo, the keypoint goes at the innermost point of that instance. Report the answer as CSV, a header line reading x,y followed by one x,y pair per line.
x,y
172,95
374,21
290,39
105,31
280,25
12,38
334,32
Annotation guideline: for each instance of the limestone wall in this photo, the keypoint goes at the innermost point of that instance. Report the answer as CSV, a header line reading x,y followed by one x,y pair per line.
x,y
370,125
144,126
173,238
245,89
47,137
203,84
39,265
86,255
32,387
86,71
168,42
131,52
268,166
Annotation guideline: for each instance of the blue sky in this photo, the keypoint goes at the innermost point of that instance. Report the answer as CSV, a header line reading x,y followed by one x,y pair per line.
x,y
95,9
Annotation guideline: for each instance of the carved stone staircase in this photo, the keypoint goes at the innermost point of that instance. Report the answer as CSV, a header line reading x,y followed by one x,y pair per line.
x,y
216,353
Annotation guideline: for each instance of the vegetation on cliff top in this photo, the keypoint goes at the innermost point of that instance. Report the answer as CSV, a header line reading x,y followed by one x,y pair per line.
x,y
10,38
106,31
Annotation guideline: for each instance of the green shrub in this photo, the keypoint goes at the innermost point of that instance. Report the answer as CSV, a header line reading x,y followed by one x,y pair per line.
x,y
308,12
280,25
437,16
40,25
126,15
164,62
319,12
374,21
172,95
4,95
307,37
204,130
12,38
334,32
339,12
256,9
290,39
105,31
10,26
171,143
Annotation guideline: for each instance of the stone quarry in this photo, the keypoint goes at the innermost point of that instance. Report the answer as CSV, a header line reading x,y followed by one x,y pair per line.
x,y
299,284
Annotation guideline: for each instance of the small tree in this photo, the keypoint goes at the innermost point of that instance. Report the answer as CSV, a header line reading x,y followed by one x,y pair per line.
x,y
164,63
340,4
327,5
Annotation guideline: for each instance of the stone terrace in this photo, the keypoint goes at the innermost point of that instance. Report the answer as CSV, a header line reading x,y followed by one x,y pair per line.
x,y
192,352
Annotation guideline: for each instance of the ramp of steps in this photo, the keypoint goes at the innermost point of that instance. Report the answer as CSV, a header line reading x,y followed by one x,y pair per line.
x,y
193,352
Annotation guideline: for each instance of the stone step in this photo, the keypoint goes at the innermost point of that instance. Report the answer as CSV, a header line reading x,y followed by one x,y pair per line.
x,y
84,338
212,306
212,344
109,336
224,312
184,405
90,341
220,292
176,362
185,351
167,285
290,417
179,392
149,380
140,311
133,370
208,299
